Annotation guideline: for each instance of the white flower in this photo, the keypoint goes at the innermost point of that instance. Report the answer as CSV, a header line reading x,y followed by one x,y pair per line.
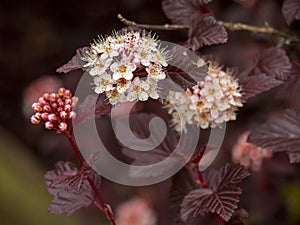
x,y
212,91
100,67
159,57
122,70
152,91
109,51
103,83
119,61
143,56
209,103
155,71
123,85
138,90
115,97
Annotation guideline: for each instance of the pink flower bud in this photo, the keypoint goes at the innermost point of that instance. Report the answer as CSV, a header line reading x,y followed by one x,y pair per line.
x,y
61,92
49,125
201,84
46,108
63,114
59,109
72,115
53,97
52,117
46,96
37,107
196,91
38,116
62,126
61,104
68,94
44,116
54,105
42,101
34,120
68,108
68,101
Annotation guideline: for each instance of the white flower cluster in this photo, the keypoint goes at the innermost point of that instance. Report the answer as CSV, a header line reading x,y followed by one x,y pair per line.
x,y
208,104
127,66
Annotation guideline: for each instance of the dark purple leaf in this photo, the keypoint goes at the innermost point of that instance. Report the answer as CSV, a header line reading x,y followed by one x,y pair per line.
x,y
280,134
189,68
291,10
230,175
255,85
149,146
70,188
206,32
185,11
238,218
75,63
221,197
140,132
93,107
270,69
182,184
273,62
291,87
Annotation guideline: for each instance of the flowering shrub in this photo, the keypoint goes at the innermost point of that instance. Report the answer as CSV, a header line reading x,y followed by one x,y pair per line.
x,y
132,65
117,62
207,104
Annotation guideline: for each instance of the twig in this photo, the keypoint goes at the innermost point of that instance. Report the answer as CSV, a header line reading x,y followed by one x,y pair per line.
x,y
74,147
228,25
152,27
105,208
264,30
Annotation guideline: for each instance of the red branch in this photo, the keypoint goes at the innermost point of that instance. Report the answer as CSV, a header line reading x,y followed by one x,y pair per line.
x,y
105,208
199,179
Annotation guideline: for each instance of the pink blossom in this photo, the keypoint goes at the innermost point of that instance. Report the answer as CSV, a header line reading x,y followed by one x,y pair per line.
x,y
50,115
135,212
248,154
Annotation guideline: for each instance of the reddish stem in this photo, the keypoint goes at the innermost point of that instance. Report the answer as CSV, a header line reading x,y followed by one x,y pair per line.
x,y
102,206
74,147
200,180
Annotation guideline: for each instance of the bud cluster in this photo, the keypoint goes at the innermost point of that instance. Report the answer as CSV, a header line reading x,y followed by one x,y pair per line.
x,y
126,66
209,103
55,110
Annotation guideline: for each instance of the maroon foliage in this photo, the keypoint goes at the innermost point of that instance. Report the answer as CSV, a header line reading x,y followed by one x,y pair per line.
x,y
93,107
163,150
221,197
184,11
254,85
273,62
206,32
270,69
70,188
280,134
291,10
182,184
75,63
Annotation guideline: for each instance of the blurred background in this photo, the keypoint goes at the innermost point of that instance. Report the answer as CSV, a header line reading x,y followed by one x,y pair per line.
x,y
37,37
